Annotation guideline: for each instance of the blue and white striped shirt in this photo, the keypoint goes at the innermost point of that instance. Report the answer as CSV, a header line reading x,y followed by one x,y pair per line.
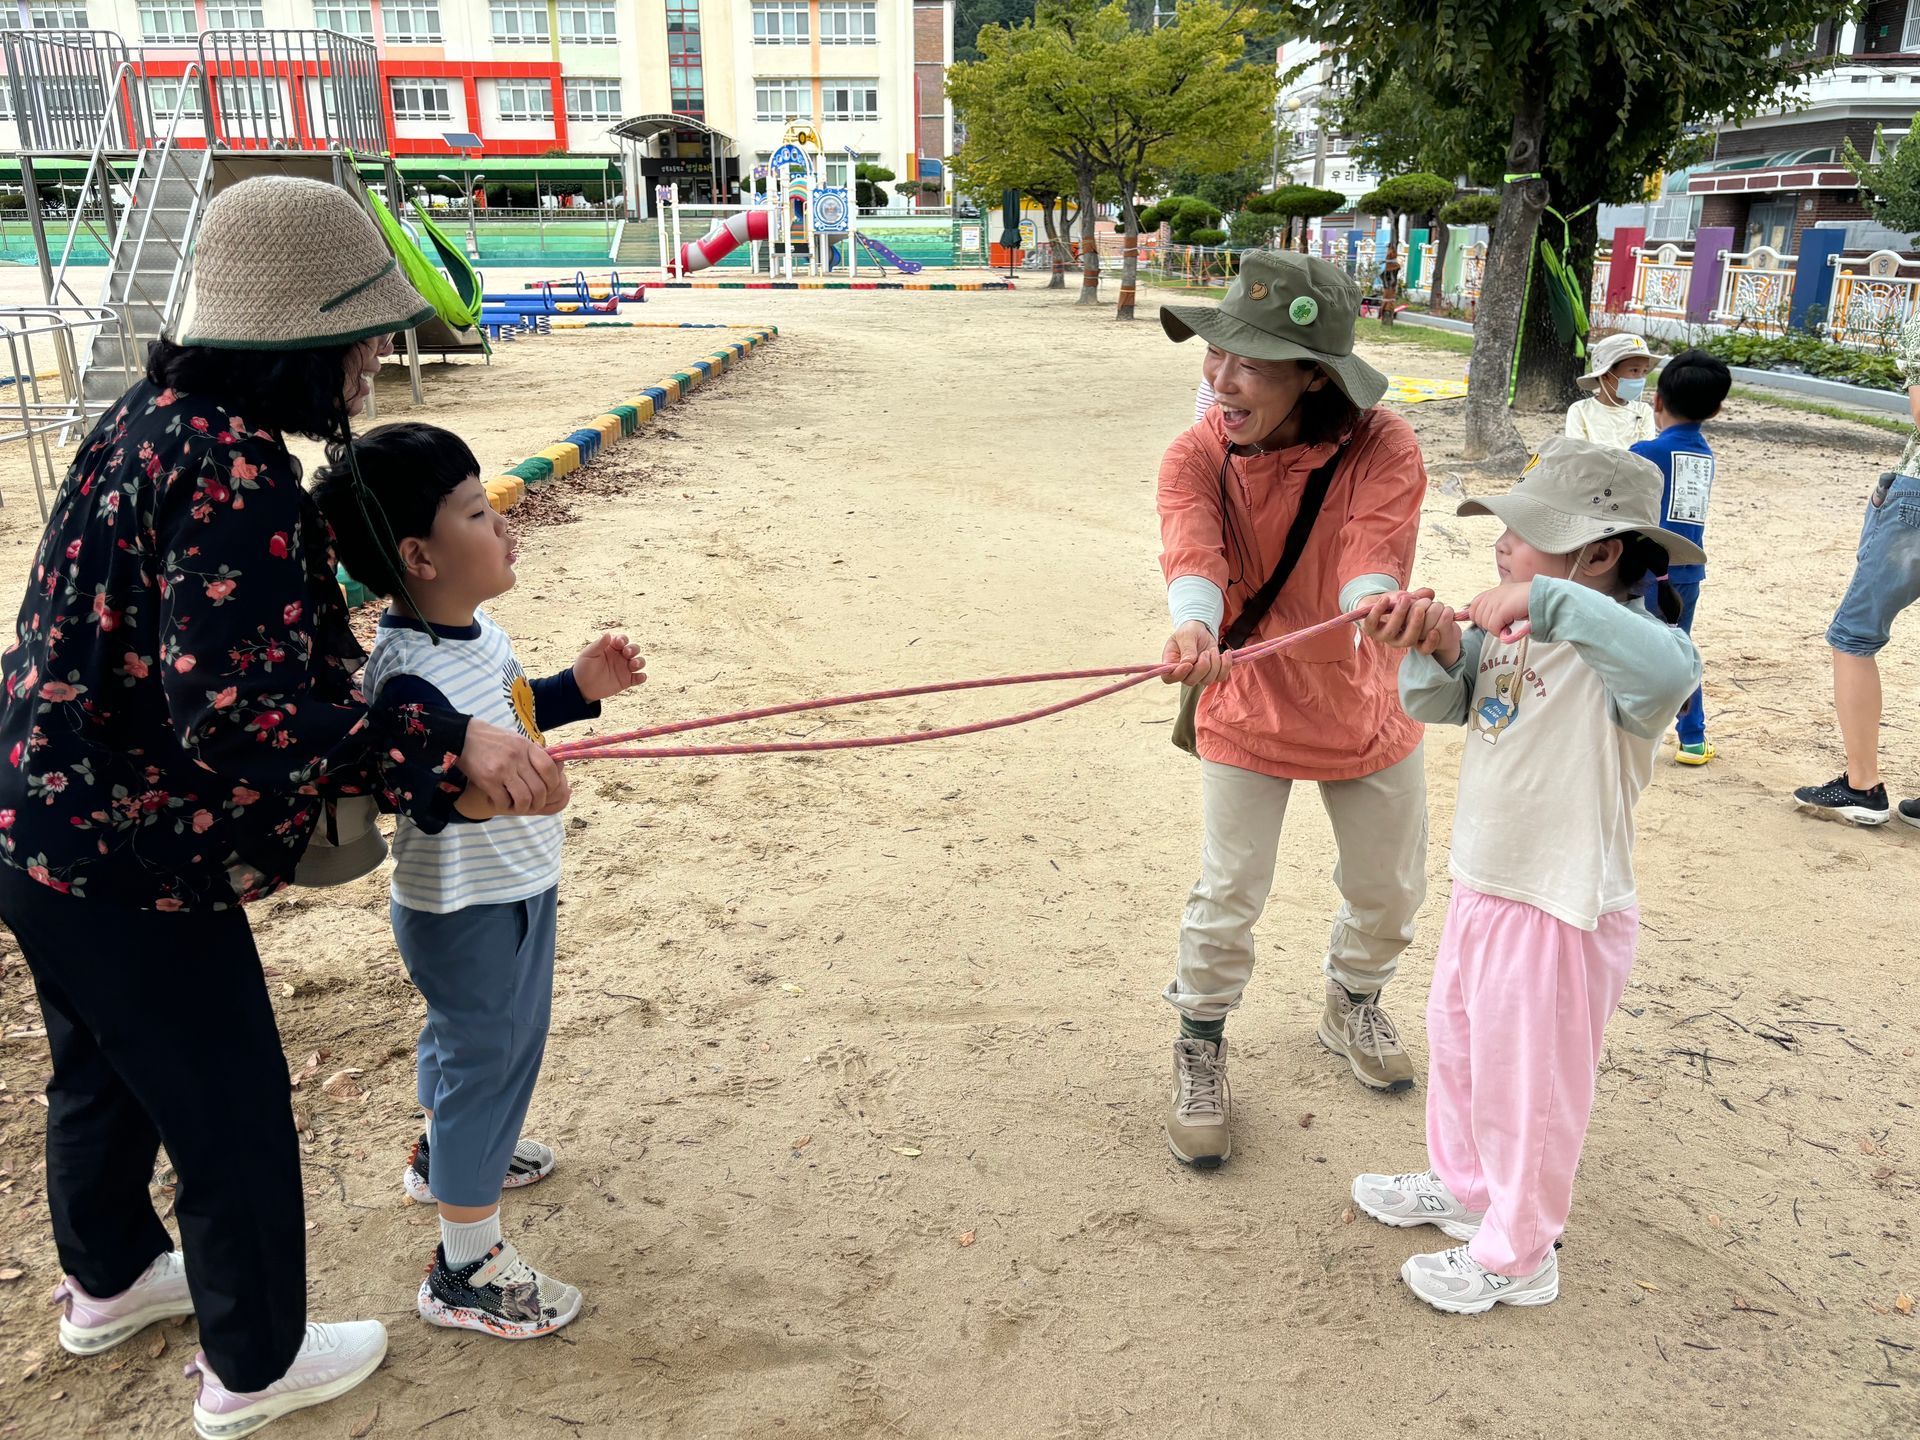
x,y
472,670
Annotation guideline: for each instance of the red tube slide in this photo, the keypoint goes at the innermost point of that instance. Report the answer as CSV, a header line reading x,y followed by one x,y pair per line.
x,y
721,241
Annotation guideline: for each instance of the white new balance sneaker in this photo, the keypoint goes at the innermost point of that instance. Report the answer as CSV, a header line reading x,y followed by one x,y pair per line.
x,y
1457,1283
1408,1200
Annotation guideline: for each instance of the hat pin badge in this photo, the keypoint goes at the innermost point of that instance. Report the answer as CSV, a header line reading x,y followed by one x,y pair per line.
x,y
1257,290
1304,310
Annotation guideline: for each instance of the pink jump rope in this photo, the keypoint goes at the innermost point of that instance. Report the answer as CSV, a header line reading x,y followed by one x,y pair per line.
x,y
622,745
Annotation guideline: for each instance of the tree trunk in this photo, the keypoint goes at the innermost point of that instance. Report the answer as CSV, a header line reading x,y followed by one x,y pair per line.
x,y
1089,243
1442,234
1390,272
1129,254
1053,243
1496,331
1060,227
1548,367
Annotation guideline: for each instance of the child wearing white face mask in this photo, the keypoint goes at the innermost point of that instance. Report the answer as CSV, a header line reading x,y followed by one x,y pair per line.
x,y
1616,379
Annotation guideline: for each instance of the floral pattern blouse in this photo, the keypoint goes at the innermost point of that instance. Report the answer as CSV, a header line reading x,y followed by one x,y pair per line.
x,y
179,698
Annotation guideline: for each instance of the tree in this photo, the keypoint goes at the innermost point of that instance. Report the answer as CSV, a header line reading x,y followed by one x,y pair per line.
x,y
971,16
1148,100
1298,202
1183,214
985,167
1003,128
1405,195
1226,190
1892,185
1592,95
1471,210
870,182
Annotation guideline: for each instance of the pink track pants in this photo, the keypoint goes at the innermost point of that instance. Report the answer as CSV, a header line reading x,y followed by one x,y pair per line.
x,y
1513,1036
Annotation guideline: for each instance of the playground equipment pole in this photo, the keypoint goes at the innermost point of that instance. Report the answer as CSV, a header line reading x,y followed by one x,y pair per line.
x,y
660,218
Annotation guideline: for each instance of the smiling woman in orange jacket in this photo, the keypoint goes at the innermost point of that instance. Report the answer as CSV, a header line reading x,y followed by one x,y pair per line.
x,y
1295,417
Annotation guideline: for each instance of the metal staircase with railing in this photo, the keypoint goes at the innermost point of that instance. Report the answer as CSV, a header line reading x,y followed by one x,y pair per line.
x,y
150,255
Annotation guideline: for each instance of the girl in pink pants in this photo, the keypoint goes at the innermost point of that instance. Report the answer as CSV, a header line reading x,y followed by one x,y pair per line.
x,y
1565,682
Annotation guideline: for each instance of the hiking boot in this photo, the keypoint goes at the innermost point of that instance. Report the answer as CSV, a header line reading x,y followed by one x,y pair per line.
x,y
499,1294
1197,1118
1408,1200
1457,1283
332,1360
1839,799
1360,1031
89,1325
532,1162
1909,811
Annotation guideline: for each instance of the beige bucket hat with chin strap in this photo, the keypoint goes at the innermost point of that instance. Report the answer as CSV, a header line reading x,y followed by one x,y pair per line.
x,y
1575,492
284,263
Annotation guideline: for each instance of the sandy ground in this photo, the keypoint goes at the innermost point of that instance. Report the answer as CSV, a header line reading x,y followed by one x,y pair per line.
x,y
858,1069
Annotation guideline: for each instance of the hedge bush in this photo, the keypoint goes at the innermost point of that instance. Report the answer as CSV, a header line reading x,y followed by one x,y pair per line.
x,y
1809,355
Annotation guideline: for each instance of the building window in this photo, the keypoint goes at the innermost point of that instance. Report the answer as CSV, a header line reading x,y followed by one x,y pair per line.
x,y
778,101
347,17
587,22
420,100
42,15
519,22
683,58
525,100
593,99
411,22
236,17
850,100
165,20
1910,32
839,169
6,91
848,22
1675,218
1885,143
780,22
248,98
164,97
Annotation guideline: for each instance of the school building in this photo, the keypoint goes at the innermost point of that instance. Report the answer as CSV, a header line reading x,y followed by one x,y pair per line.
x,y
688,91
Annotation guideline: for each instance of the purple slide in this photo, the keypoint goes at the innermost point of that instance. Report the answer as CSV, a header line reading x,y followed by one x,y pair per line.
x,y
886,256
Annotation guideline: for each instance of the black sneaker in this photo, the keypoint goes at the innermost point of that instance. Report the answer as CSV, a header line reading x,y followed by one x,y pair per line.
x,y
1840,800
499,1293
531,1163
1909,811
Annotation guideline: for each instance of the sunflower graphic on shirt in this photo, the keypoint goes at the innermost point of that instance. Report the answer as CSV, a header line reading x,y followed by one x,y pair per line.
x,y
520,697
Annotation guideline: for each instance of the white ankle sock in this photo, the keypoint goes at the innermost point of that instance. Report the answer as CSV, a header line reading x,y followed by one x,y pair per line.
x,y
467,1243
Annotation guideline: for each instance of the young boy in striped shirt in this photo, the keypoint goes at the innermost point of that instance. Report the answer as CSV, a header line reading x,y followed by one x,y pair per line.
x,y
473,902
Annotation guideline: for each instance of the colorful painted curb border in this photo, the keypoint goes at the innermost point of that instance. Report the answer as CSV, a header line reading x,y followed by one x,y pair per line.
x,y
584,445
969,285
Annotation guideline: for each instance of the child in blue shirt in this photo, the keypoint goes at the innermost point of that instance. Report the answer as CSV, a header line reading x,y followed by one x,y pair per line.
x,y
1692,388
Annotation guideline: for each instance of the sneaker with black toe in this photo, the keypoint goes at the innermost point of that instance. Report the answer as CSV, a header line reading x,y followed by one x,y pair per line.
x,y
1361,1034
331,1361
1422,1199
1909,811
1457,1283
499,1294
1197,1117
532,1162
89,1324
1841,800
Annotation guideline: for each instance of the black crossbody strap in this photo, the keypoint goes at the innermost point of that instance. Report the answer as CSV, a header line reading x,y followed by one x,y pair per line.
x,y
1312,498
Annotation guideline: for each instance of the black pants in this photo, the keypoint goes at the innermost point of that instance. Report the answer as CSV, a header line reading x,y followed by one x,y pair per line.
x,y
161,1031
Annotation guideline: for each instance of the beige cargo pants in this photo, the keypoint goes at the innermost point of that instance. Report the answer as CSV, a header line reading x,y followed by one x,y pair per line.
x,y
1380,827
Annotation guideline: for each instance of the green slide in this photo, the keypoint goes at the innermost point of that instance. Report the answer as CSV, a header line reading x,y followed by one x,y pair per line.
x,y
453,260
448,302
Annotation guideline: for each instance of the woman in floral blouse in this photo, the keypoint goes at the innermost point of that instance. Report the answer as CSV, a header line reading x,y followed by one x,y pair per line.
x,y
178,705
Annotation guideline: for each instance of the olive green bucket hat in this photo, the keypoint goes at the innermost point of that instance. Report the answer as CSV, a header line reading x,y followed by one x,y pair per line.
x,y
1285,306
